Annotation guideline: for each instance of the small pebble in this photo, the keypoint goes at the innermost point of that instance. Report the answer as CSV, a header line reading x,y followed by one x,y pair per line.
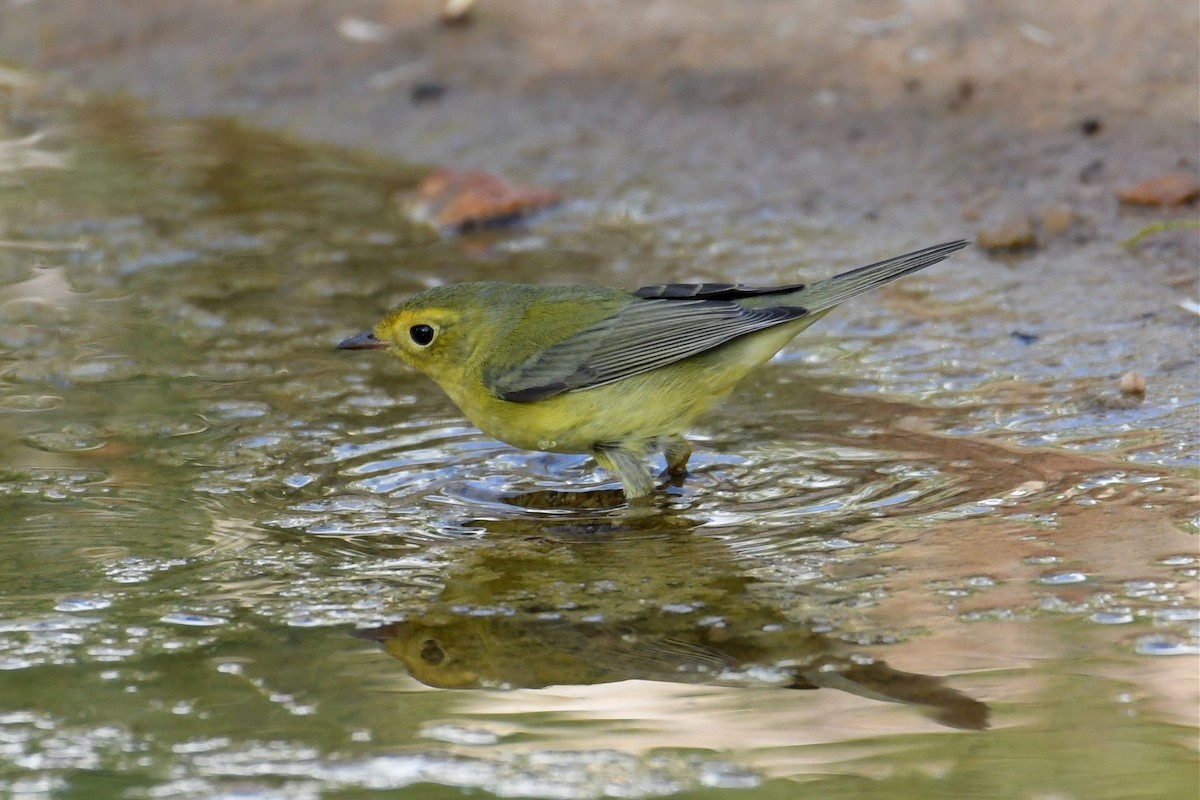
x,y
457,12
426,92
1169,189
964,92
1057,219
1008,232
1133,383
357,29
1092,172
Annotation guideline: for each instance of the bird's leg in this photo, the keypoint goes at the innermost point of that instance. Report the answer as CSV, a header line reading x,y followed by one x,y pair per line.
x,y
630,467
677,452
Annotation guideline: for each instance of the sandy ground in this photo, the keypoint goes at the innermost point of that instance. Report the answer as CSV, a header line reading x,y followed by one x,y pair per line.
x,y
850,105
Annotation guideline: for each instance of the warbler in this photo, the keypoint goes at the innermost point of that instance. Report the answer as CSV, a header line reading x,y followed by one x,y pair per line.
x,y
610,372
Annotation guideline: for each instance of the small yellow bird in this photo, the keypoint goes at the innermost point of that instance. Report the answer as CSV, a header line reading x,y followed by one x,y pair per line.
x,y
613,373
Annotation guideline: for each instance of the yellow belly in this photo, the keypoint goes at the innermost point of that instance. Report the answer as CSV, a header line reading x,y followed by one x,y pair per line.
x,y
663,402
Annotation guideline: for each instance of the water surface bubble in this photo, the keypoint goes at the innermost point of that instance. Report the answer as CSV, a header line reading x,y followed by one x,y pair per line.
x,y
375,402
193,620
72,604
71,439
30,402
166,258
1163,645
156,426
682,608
33,310
1058,605
1062,578
203,745
1148,589
299,480
460,735
718,775
102,370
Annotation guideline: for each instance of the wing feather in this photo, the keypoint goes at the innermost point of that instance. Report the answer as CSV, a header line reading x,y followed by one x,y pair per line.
x,y
643,336
713,291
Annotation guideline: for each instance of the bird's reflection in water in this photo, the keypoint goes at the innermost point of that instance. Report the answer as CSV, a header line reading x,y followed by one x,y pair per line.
x,y
643,600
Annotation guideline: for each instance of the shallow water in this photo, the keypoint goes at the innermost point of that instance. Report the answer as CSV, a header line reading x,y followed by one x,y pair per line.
x,y
238,562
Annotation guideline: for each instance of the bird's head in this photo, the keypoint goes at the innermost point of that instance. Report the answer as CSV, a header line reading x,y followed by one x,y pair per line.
x,y
437,331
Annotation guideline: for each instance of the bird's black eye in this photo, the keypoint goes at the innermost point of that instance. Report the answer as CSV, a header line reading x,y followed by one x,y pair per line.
x,y
432,653
422,334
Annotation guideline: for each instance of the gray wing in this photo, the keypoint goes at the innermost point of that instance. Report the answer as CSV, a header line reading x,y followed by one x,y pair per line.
x,y
641,337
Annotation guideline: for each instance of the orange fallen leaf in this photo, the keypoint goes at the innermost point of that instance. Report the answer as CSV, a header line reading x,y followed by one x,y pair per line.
x,y
460,200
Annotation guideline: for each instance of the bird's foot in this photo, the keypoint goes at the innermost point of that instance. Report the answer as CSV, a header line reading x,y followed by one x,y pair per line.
x,y
677,452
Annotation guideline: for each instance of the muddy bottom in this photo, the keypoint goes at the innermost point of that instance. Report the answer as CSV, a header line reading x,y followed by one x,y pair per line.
x,y
909,556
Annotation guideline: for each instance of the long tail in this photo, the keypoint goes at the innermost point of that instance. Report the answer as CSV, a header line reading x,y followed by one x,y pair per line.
x,y
826,294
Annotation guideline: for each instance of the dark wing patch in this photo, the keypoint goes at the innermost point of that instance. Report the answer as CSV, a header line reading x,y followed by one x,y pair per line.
x,y
641,337
711,291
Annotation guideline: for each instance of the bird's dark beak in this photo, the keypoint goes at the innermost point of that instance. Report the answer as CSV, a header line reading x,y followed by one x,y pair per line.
x,y
364,341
